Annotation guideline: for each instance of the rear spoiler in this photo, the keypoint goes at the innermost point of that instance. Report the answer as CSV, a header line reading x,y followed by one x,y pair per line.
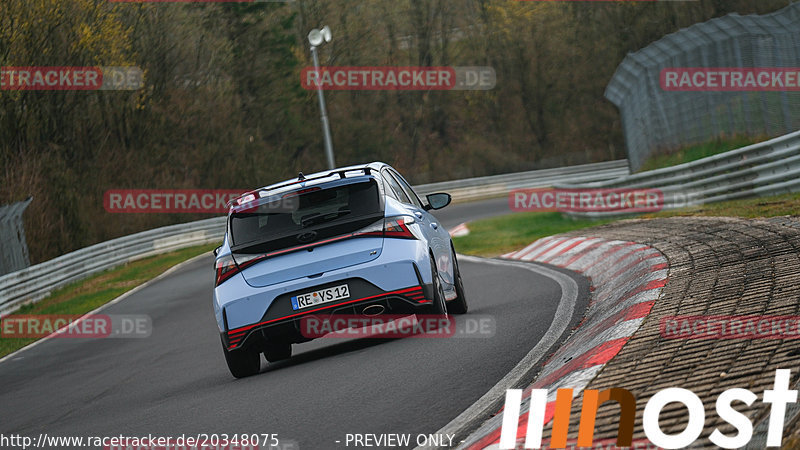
x,y
300,179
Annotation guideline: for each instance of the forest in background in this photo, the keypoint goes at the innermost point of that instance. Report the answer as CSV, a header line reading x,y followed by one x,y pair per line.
x,y
223,106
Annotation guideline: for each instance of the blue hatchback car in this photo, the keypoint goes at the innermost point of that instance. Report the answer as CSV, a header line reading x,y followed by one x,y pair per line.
x,y
355,240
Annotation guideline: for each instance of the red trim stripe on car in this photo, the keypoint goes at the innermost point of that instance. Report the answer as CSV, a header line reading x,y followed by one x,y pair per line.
x,y
406,291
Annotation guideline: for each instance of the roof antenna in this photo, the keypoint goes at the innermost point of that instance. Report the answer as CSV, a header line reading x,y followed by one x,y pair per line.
x,y
301,177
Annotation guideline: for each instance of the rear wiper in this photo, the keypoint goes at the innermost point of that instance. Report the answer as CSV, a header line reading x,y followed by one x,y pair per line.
x,y
309,219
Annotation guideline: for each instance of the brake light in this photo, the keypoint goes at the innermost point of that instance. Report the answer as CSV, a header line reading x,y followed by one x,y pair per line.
x,y
246,199
302,191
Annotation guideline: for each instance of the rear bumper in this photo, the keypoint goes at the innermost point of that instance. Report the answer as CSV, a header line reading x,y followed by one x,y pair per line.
x,y
403,263
282,324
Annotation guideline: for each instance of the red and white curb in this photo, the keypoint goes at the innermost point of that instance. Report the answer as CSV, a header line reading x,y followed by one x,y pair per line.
x,y
459,230
626,279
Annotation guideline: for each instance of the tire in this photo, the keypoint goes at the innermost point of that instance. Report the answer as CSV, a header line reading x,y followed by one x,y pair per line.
x,y
438,307
459,304
243,362
278,351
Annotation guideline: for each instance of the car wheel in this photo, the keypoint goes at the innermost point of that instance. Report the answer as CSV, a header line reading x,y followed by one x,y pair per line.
x,y
438,307
459,304
243,362
278,351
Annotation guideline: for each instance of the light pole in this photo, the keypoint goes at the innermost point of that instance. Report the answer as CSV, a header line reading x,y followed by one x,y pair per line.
x,y
315,38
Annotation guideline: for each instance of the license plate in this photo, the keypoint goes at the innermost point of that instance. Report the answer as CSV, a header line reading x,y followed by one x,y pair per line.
x,y
326,295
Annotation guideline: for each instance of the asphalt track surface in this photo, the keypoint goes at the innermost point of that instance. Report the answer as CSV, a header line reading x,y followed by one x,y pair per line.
x,y
176,381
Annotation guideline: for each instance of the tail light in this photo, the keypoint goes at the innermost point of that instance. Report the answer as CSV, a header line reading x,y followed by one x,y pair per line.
x,y
394,227
225,267
397,227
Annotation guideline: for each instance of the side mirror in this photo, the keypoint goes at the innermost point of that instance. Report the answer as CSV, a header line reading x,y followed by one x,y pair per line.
x,y
437,201
216,250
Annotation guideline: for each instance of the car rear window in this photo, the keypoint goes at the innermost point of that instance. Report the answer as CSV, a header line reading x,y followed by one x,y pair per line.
x,y
304,216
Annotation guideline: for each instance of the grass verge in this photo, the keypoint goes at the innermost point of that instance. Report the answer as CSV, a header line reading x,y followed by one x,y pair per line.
x,y
751,208
90,293
695,152
499,235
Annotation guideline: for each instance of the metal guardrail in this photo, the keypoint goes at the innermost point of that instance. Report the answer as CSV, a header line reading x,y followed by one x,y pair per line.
x,y
767,168
36,282
471,189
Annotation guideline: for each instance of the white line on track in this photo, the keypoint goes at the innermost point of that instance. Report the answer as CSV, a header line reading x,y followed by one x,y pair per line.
x,y
562,319
169,271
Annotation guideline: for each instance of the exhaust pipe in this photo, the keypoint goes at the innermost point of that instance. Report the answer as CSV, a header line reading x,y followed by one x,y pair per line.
x,y
373,310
